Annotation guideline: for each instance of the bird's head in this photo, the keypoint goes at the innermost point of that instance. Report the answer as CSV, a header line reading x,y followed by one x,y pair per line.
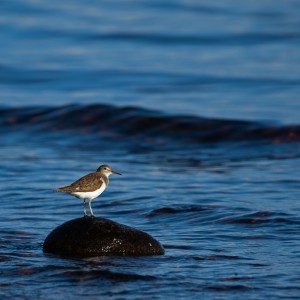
x,y
106,170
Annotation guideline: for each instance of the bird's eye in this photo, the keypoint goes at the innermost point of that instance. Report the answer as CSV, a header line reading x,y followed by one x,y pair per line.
x,y
105,169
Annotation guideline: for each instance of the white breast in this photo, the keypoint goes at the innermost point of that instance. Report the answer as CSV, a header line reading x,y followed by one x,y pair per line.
x,y
90,195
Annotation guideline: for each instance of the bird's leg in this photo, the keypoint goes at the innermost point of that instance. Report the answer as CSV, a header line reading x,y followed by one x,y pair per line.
x,y
90,206
84,207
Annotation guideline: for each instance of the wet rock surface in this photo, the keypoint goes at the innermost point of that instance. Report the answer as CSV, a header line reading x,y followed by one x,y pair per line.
x,y
90,236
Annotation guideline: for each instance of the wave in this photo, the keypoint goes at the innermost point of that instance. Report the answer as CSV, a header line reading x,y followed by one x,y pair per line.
x,y
104,274
134,122
217,214
162,39
261,218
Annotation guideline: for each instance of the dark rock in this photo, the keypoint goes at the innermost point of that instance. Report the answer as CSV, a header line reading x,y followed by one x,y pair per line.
x,y
89,236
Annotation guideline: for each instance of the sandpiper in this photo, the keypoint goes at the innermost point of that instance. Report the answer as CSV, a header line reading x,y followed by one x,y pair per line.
x,y
89,186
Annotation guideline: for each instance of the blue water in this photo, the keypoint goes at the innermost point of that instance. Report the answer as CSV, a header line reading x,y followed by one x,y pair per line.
x,y
196,103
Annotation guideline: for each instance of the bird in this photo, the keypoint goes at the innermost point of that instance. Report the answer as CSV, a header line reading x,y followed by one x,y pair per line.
x,y
89,186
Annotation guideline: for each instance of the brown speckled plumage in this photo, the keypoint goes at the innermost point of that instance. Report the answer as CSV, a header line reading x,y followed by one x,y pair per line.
x,y
87,183
89,186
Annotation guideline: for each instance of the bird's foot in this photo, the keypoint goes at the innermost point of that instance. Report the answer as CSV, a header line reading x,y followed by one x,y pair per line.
x,y
88,216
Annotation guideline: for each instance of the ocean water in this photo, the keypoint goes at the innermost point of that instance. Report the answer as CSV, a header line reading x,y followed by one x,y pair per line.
x,y
196,103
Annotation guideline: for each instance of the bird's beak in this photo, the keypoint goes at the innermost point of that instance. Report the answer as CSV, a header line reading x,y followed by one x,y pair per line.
x,y
115,172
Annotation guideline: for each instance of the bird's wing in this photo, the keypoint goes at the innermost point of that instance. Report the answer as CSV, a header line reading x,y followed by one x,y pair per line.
x,y
87,183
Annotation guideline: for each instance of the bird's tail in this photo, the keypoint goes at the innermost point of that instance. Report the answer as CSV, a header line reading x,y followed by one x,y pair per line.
x,y
60,190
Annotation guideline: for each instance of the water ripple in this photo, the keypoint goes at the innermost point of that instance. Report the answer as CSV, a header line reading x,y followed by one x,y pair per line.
x,y
134,122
